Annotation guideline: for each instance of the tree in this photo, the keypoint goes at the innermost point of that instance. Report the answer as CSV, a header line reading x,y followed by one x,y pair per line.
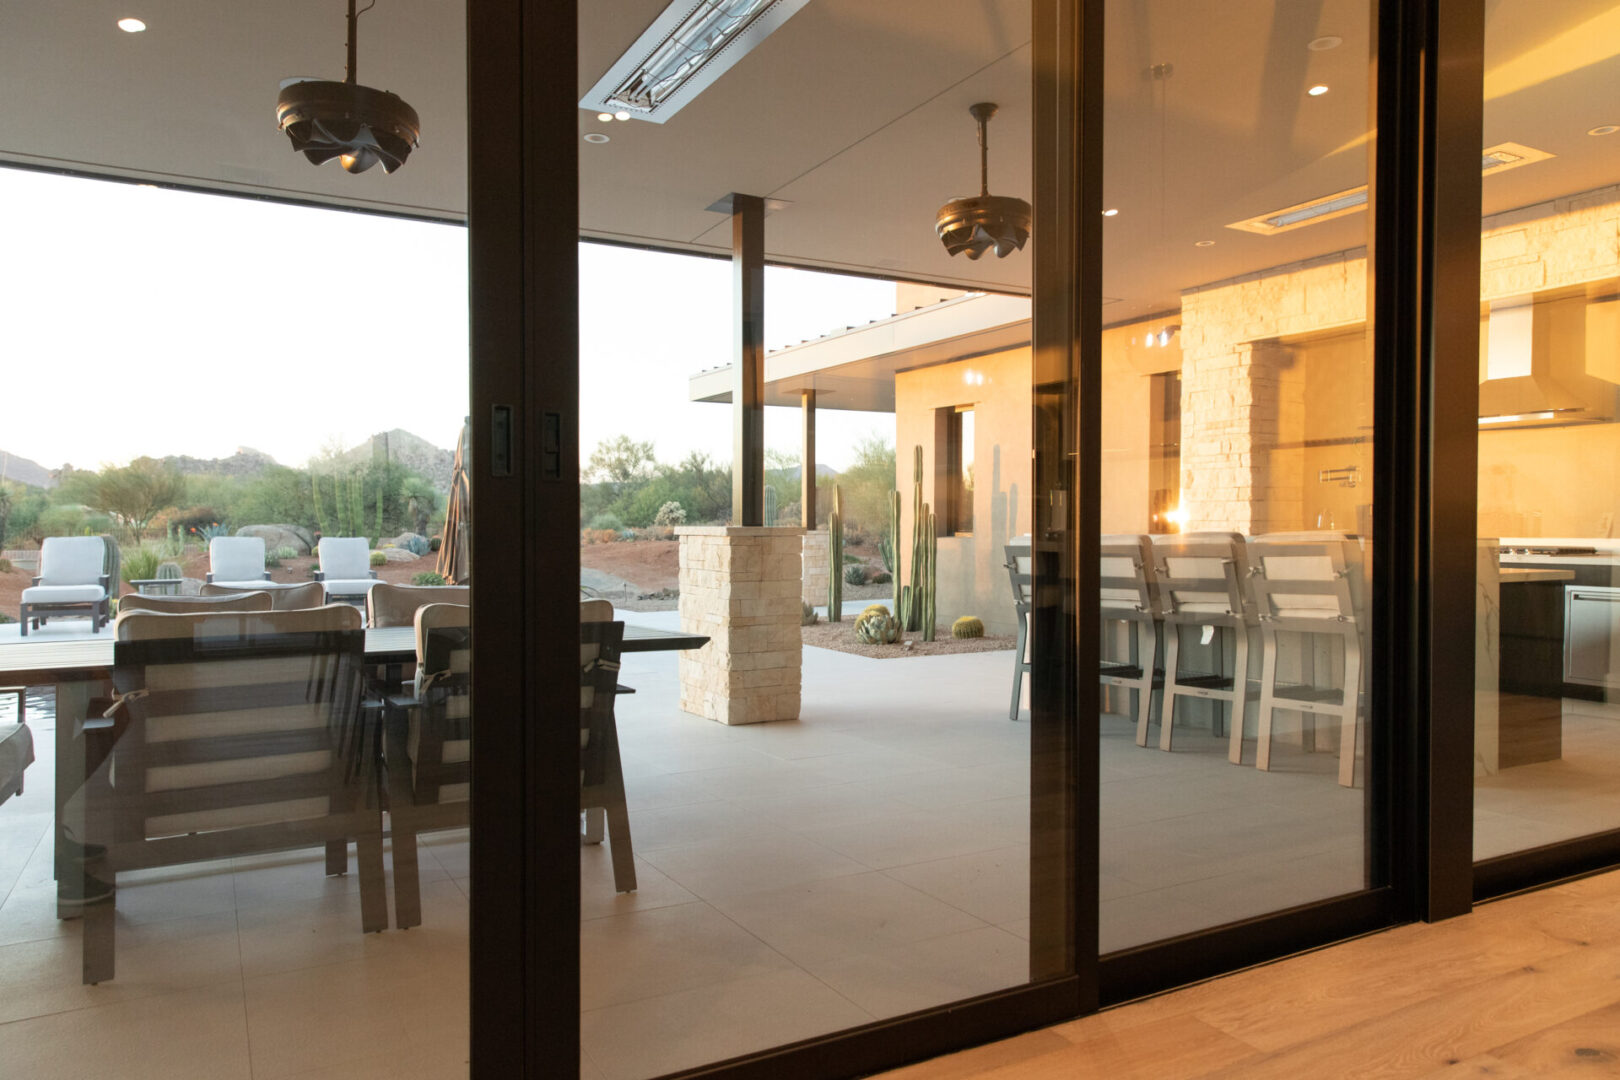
x,y
420,503
621,461
136,493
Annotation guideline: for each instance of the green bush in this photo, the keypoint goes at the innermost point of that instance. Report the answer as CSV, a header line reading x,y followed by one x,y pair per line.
x,y
856,574
606,520
4,618
5,566
378,558
434,543
140,564
428,577
882,577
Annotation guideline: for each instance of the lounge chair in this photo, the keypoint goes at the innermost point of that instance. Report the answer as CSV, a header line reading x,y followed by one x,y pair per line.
x,y
16,746
346,569
233,734
231,600
72,580
237,561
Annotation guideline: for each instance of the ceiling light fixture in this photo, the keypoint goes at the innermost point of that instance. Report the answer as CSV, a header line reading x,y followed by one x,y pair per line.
x,y
977,223
682,53
605,117
596,137
359,126
1604,129
131,26
1162,338
1324,43
1203,243
1110,213
1318,90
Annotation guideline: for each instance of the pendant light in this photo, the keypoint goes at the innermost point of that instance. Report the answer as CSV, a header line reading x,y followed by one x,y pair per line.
x,y
976,224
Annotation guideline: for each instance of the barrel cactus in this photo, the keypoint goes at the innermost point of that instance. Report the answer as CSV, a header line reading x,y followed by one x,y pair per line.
x,y
967,627
877,628
169,571
870,608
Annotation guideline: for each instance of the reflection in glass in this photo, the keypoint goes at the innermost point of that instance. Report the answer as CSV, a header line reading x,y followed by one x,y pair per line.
x,y
1546,753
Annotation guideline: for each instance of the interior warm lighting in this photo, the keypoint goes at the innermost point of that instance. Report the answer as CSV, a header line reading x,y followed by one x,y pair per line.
x,y
605,117
1604,129
1515,418
687,47
1176,517
1324,43
1317,91
1203,243
1110,213
131,26
978,223
596,137
359,126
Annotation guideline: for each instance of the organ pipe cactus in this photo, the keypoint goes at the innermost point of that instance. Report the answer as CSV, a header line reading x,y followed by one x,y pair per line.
x,y
770,506
835,558
917,599
930,555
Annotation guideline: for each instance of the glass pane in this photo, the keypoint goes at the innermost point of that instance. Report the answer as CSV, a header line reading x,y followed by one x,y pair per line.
x,y
825,813
1546,746
1237,450
235,384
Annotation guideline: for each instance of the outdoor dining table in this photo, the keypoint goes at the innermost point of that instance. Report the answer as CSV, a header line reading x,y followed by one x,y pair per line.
x,y
77,667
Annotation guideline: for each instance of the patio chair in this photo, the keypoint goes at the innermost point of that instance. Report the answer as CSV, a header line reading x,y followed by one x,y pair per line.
x,y
311,594
1202,578
1129,594
346,571
72,580
233,734
236,560
16,746
1020,573
601,771
395,605
1309,585
141,603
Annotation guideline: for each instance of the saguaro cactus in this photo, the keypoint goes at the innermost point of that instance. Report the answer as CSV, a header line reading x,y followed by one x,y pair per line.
x,y
835,558
315,496
770,506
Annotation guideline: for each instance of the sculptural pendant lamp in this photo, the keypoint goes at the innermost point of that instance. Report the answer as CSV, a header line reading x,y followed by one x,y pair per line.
x,y
359,126
975,224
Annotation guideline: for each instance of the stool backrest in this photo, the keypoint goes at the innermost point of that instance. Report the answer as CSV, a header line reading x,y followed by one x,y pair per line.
x,y
1020,570
1127,582
1201,576
1305,579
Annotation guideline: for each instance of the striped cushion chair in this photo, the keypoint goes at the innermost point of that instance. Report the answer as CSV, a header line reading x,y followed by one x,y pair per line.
x,y
232,734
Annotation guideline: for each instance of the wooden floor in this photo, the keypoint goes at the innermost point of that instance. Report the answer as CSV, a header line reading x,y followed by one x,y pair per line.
x,y
1525,987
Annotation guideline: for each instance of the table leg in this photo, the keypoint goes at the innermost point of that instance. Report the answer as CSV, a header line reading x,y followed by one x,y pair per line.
x,y
595,826
72,701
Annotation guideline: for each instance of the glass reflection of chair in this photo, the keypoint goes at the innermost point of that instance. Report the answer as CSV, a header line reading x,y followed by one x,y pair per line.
x,y
1130,601
396,605
1306,584
311,594
233,734
1019,572
232,600
1201,578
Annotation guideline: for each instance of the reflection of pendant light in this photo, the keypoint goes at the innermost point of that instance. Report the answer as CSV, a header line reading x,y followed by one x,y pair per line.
x,y
360,126
978,223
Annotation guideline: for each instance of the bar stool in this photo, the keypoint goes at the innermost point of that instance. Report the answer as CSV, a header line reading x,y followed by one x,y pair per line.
x,y
1019,571
1130,596
1308,583
1201,578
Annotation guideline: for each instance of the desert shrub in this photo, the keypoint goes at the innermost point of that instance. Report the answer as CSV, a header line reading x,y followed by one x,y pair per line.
x,y
671,513
428,577
4,618
62,521
139,564
205,533
417,545
599,536
606,521
434,543
378,558
855,574
194,518
882,577
5,566
284,553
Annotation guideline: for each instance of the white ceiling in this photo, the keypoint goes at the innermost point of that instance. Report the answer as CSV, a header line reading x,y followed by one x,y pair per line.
x,y
854,113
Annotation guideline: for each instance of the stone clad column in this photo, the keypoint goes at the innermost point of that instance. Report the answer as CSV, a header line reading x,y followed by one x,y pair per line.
x,y
817,550
741,586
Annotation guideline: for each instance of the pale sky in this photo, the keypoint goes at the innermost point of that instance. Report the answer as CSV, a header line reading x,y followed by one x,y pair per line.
x,y
143,321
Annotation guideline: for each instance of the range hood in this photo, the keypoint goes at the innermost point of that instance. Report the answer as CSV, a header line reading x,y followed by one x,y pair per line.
x,y
1550,359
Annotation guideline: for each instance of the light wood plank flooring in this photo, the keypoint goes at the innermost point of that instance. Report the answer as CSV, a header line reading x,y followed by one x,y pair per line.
x,y
1525,987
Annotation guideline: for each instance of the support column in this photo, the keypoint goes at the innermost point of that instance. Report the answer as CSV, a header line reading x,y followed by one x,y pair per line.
x,y
807,459
748,360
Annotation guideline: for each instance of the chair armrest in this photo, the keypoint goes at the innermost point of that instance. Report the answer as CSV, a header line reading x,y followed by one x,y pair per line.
x,y
208,577
373,574
106,583
623,689
267,575
36,579
320,575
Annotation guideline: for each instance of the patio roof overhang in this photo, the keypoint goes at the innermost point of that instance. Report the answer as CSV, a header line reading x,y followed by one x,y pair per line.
x,y
853,369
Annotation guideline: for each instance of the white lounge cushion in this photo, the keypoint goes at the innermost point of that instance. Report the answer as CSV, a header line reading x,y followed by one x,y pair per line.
x,y
236,558
63,594
250,586
72,560
345,558
351,587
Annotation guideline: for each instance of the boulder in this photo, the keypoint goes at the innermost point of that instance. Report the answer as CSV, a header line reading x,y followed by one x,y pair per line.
x,y
405,539
296,537
398,554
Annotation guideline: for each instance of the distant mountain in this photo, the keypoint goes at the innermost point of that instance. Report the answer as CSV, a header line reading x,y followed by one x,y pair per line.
x,y
412,451
22,471
246,462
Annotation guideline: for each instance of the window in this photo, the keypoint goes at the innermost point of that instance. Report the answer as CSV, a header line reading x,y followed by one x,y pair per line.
x,y
954,479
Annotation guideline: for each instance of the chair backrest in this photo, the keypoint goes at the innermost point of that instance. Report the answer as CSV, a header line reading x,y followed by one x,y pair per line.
x,y
1201,576
72,560
236,558
1020,571
396,605
243,729
226,600
439,738
1127,583
345,558
1303,580
311,594
113,564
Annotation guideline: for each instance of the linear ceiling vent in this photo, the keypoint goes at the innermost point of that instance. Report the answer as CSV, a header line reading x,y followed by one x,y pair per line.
x,y
682,53
1493,160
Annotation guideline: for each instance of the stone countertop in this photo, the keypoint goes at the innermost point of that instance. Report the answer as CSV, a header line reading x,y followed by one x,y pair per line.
x,y
1514,575
1602,558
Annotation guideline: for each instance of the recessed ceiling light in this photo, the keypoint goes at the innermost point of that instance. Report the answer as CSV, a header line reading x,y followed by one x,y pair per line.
x,y
1324,43
1203,243
131,26
1604,129
596,137
1110,212
605,117
1318,90
621,115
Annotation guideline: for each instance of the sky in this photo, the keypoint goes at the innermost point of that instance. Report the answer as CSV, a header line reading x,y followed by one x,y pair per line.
x,y
197,324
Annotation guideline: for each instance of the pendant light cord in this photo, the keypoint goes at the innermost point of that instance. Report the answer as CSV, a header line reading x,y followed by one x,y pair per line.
x,y
352,72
